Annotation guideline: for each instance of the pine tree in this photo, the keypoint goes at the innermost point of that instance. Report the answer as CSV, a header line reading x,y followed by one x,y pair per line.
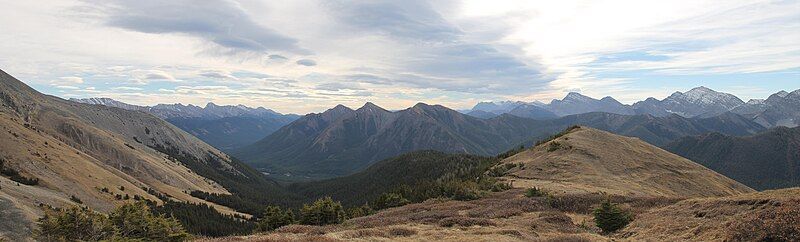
x,y
321,212
610,218
275,218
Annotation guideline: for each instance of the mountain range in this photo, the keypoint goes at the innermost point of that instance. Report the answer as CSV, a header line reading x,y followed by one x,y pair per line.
x,y
341,140
767,160
780,109
224,127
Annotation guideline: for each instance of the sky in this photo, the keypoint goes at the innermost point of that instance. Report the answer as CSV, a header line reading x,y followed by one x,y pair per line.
x,y
305,56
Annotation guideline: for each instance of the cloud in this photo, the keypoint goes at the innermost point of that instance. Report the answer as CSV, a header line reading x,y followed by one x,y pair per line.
x,y
72,79
127,88
221,22
277,57
431,52
337,86
159,75
306,62
218,75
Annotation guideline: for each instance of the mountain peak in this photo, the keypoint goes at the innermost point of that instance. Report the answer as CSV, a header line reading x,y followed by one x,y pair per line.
x,y
575,95
369,106
340,107
211,104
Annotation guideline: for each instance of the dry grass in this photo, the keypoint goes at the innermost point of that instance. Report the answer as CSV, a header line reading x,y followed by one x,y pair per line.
x,y
466,222
304,229
401,232
749,217
566,238
779,224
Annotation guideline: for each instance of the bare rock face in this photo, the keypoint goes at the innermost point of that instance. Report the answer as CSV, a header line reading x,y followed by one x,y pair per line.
x,y
94,152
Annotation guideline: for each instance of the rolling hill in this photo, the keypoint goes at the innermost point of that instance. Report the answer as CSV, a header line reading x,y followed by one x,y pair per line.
x,y
586,160
768,160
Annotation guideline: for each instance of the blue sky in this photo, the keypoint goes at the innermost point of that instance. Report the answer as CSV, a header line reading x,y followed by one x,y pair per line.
x,y
306,56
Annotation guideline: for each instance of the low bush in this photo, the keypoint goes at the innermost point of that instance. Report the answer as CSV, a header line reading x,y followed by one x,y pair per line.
x,y
535,192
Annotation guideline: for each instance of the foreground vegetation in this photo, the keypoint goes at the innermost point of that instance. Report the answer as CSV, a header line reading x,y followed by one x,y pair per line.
x,y
132,221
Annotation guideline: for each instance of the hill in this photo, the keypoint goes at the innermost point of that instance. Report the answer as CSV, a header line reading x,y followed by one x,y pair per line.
x,y
412,170
767,160
586,160
68,153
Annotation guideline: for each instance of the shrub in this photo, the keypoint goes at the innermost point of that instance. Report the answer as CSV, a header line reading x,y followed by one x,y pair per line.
x,y
361,211
321,212
135,221
553,146
390,200
75,199
275,218
535,192
74,224
610,218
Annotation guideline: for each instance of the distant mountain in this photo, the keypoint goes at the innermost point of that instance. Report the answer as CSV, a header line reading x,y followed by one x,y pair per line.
x,y
586,160
95,154
224,127
700,101
532,112
783,110
341,141
780,109
575,103
659,131
497,107
767,160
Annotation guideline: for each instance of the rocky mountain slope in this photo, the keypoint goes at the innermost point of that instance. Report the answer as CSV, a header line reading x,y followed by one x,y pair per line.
x,y
586,160
95,155
341,141
224,127
767,160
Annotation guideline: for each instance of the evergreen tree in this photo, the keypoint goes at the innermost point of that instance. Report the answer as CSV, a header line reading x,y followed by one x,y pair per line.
x,y
275,218
610,218
135,221
321,212
74,224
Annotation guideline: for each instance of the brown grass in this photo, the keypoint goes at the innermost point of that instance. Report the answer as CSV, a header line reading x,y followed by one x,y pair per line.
x,y
402,232
466,222
780,224
303,229
566,238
